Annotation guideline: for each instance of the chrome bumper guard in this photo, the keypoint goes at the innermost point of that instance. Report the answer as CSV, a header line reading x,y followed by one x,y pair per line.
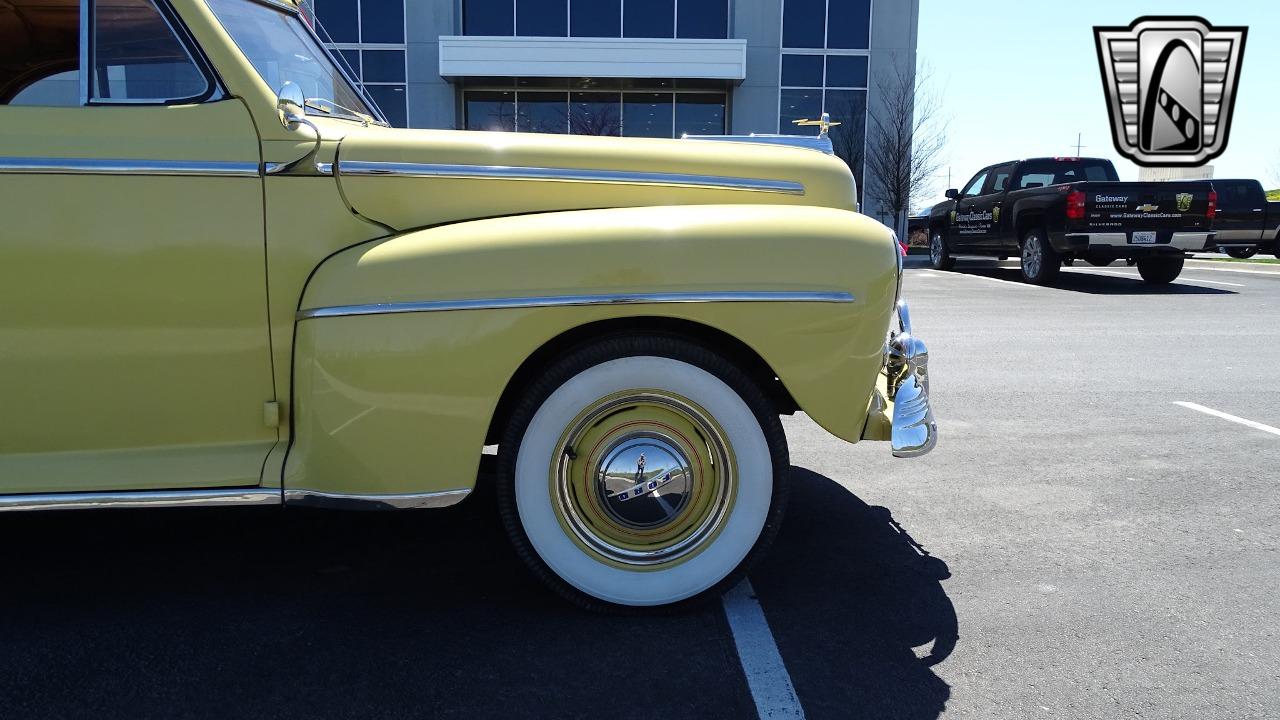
x,y
906,367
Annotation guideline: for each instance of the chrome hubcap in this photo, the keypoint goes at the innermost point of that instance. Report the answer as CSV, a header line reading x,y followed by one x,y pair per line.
x,y
1031,257
643,478
935,249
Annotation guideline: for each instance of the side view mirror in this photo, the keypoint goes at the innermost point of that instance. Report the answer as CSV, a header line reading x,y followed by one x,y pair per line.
x,y
290,102
953,194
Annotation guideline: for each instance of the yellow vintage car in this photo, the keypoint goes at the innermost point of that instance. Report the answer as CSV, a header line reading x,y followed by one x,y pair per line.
x,y
225,281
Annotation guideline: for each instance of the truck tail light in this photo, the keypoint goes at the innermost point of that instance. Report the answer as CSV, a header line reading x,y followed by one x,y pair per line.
x,y
1212,212
1075,205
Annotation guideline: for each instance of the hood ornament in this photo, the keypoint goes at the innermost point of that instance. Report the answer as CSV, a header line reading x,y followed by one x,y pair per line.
x,y
823,124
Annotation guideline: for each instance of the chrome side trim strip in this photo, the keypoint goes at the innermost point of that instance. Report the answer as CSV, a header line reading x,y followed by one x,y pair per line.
x,y
572,300
92,166
279,168
346,501
140,499
617,177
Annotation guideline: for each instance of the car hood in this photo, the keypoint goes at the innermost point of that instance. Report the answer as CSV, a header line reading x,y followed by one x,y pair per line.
x,y
417,178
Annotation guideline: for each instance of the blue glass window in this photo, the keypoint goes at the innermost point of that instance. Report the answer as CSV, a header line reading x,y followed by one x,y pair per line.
x,y
543,112
649,19
702,19
849,24
491,111
802,71
846,71
338,18
382,21
383,66
799,105
804,23
542,18
595,18
849,107
352,60
391,100
699,114
595,113
647,115
488,17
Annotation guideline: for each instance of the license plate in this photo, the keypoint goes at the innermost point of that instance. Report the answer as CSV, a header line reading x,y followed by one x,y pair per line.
x,y
1144,238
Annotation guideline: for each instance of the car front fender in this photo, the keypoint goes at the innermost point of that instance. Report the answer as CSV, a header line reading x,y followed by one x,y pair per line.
x,y
405,345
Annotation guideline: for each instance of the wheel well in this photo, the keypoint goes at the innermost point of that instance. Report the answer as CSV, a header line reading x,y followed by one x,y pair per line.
x,y
724,344
1025,223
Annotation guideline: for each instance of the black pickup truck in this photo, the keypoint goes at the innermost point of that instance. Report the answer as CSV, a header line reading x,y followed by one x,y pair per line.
x,y
1247,222
1054,210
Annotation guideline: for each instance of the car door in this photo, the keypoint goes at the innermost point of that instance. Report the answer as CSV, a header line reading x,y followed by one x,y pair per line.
x,y
967,229
988,207
133,342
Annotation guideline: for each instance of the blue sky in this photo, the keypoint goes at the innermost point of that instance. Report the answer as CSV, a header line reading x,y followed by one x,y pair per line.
x,y
1020,79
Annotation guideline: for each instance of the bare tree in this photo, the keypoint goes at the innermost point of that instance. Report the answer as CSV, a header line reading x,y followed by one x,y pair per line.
x,y
906,137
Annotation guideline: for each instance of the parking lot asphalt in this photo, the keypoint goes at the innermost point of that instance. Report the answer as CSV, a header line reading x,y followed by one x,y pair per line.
x,y
1077,546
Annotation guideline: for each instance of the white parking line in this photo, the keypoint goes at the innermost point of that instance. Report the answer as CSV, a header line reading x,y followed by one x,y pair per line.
x,y
1232,418
1118,273
1234,270
767,676
1014,283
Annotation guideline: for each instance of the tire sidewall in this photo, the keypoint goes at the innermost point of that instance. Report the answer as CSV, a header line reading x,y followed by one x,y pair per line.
x,y
752,432
1049,262
943,260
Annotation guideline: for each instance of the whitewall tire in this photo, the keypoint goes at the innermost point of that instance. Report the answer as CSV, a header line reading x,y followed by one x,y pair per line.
x,y
647,472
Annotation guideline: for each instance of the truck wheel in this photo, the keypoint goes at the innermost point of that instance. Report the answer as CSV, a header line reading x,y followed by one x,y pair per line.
x,y
1040,262
939,256
1242,253
642,471
1160,271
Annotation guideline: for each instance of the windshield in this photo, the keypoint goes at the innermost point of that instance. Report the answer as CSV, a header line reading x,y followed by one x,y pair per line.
x,y
283,50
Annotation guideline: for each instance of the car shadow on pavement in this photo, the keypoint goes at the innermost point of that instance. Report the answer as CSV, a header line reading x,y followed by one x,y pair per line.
x,y
311,614
1101,284
245,612
857,607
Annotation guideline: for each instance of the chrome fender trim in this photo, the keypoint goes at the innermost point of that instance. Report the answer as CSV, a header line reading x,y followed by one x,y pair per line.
x,y
344,501
140,499
575,175
571,300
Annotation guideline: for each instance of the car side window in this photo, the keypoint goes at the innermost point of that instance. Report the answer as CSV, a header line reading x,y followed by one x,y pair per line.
x,y
1000,178
40,62
135,54
975,185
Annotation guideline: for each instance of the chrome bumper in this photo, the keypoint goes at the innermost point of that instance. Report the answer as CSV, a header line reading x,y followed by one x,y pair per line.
x,y
914,431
